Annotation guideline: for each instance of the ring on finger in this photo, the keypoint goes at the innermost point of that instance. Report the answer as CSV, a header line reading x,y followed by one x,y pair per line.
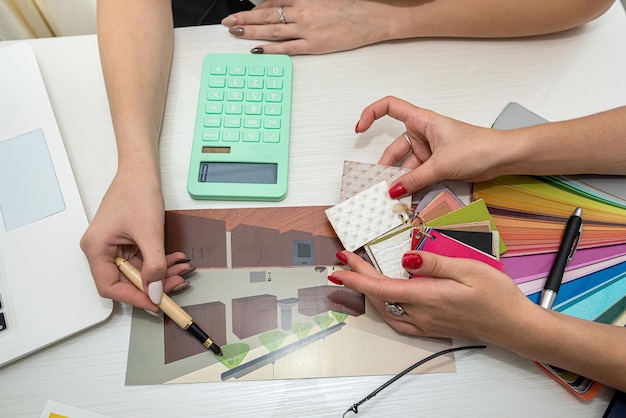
x,y
281,16
394,308
408,140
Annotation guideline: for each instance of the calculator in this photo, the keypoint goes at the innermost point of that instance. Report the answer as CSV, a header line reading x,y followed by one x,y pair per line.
x,y
240,148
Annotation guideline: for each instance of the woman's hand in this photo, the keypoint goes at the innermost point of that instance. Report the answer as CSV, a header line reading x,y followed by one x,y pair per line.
x,y
441,148
130,224
312,26
449,297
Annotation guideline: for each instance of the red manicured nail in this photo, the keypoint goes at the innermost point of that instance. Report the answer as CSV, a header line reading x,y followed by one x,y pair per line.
x,y
397,191
341,257
335,280
412,261
356,128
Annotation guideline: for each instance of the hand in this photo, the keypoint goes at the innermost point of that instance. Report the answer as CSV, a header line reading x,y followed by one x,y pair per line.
x,y
312,26
452,297
130,224
441,148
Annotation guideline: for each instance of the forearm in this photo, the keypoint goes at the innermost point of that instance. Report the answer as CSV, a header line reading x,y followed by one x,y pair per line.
x,y
587,348
135,40
595,144
490,18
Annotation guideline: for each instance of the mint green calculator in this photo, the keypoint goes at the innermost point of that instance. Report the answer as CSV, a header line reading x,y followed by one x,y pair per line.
x,y
240,147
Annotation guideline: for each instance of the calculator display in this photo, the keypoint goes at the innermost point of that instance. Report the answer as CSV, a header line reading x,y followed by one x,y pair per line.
x,y
252,173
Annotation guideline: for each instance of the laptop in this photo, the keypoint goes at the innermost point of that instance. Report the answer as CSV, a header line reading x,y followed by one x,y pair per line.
x,y
47,292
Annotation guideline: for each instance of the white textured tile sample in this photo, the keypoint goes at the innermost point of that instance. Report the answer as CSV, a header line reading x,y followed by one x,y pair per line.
x,y
365,216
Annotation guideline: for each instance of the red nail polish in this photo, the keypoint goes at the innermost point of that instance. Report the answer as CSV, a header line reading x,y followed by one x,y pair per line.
x,y
412,261
397,191
335,280
356,128
341,257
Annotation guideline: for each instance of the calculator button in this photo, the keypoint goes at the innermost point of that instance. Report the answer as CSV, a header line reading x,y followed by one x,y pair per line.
x,y
273,110
275,71
210,135
217,82
274,96
215,95
271,136
234,95
212,121
256,70
251,136
252,123
254,96
271,123
236,83
274,84
255,83
217,69
253,109
215,108
230,135
234,109
232,122
237,70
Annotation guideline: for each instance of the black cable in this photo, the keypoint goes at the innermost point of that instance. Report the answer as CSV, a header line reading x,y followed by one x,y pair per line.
x,y
355,407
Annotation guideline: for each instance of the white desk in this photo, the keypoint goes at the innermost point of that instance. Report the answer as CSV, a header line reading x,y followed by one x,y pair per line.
x,y
558,76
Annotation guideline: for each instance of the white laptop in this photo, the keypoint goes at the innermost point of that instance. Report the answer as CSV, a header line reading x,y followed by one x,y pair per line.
x,y
46,289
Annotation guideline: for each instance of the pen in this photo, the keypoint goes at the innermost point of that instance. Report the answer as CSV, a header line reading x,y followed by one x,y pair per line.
x,y
169,307
568,246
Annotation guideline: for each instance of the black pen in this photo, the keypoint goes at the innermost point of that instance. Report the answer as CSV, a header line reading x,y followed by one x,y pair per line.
x,y
568,246
170,308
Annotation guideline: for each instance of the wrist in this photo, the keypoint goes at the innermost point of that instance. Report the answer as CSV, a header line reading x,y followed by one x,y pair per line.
x,y
515,150
140,170
532,324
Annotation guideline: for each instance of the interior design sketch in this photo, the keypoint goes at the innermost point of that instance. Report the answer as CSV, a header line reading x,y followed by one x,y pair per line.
x,y
261,292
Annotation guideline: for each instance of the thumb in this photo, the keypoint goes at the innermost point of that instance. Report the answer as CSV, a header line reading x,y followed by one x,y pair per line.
x,y
427,264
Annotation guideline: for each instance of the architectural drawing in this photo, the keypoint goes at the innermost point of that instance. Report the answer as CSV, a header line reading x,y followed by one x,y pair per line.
x,y
261,292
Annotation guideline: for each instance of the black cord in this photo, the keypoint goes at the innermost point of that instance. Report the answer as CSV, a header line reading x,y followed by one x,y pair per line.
x,y
355,407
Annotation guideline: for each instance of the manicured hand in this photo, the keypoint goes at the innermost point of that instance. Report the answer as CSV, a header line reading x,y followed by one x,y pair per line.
x,y
312,26
130,224
441,148
449,297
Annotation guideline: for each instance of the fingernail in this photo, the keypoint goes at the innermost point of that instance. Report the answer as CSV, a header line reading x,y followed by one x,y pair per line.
x,y
412,261
397,191
187,271
155,292
229,21
256,50
151,313
335,280
356,128
341,257
183,260
237,31
180,286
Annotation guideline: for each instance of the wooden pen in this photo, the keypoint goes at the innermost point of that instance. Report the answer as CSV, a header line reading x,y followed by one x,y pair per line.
x,y
169,307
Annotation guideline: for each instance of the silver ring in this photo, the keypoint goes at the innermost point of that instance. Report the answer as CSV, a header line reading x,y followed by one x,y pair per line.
x,y
408,140
394,308
281,16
